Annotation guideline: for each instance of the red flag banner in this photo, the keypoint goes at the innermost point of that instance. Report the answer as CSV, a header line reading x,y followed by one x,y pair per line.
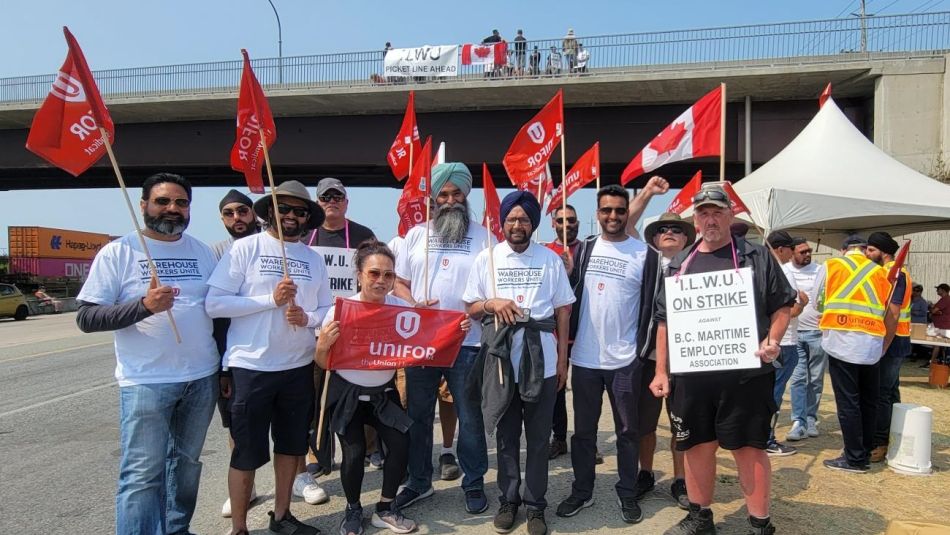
x,y
386,337
899,262
684,199
586,170
65,130
737,205
492,205
546,181
532,147
824,96
693,134
253,115
412,203
398,156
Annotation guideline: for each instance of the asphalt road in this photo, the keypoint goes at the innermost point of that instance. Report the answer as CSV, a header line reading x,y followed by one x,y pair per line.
x,y
59,453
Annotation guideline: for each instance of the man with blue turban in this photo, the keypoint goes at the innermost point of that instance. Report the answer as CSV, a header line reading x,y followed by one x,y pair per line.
x,y
435,277
522,363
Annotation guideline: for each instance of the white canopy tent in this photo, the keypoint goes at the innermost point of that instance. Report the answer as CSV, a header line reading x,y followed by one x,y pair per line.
x,y
831,180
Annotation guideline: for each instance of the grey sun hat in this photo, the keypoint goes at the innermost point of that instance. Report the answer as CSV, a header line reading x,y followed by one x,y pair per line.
x,y
295,189
670,219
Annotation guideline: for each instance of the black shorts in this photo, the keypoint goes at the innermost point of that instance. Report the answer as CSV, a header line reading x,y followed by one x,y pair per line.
x,y
650,405
732,408
224,410
279,402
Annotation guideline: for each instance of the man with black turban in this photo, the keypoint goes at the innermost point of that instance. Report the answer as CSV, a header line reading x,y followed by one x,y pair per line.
x,y
521,364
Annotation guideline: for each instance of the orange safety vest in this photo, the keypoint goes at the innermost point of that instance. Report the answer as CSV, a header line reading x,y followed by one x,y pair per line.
x,y
903,321
856,291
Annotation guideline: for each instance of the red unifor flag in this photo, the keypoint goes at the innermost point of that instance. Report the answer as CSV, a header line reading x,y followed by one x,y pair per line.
x,y
408,136
693,134
899,262
485,54
253,118
532,148
65,130
415,194
492,205
825,95
734,200
546,188
586,170
684,199
386,337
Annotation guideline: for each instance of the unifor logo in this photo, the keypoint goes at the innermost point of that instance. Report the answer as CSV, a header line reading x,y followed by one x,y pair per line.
x,y
68,88
407,323
55,242
536,132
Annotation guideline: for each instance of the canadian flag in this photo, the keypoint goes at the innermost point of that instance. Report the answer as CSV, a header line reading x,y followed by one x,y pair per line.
x,y
487,54
684,199
586,170
693,134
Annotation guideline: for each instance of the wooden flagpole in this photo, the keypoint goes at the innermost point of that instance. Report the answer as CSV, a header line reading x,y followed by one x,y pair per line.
x,y
273,198
135,221
494,286
722,132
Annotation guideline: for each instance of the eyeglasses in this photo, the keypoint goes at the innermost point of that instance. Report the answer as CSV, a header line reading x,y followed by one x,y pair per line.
x,y
566,220
710,195
242,211
375,274
298,211
332,197
606,210
670,229
523,221
165,201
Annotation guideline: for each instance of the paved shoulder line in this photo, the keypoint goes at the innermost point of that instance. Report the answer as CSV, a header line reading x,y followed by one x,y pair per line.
x,y
59,398
47,353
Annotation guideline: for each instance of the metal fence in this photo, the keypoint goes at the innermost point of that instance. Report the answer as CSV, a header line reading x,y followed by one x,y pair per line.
x,y
827,40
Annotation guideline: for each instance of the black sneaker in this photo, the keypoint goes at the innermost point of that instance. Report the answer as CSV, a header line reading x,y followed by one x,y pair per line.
x,y
843,465
572,505
698,521
678,490
475,501
629,510
504,520
352,523
557,448
645,483
536,523
408,497
598,458
448,467
776,449
767,529
289,525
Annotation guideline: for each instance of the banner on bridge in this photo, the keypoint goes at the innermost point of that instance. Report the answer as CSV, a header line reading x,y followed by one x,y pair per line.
x,y
441,60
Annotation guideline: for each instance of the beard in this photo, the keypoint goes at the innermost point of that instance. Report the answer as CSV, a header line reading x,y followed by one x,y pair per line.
x,y
249,229
168,225
290,229
451,222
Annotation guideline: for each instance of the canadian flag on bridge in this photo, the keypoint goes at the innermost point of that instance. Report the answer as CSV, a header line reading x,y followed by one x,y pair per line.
x,y
65,130
486,54
254,119
693,134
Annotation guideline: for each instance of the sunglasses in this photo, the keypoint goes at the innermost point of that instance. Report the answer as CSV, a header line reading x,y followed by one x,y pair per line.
x,y
710,195
298,211
242,211
375,274
332,197
566,220
670,229
606,210
165,201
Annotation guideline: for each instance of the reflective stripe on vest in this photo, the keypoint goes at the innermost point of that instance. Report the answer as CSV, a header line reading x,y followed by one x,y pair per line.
x,y
903,321
856,290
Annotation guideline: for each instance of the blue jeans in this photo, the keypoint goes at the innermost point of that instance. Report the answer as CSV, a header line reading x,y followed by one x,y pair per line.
x,y
422,386
782,375
808,379
162,429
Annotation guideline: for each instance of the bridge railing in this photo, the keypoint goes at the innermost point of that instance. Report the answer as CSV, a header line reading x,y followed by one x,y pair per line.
x,y
825,40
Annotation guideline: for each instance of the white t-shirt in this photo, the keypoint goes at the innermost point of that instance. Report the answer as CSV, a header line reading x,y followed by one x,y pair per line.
x,y
147,353
264,341
449,266
398,246
607,324
534,279
805,279
368,378
791,333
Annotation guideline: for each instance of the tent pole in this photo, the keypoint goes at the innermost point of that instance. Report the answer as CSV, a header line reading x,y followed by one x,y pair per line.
x,y
748,135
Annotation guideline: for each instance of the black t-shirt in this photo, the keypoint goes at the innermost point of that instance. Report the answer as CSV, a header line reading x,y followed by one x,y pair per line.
x,y
520,43
337,238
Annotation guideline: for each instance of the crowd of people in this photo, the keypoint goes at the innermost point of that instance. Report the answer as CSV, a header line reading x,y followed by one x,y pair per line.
x,y
256,323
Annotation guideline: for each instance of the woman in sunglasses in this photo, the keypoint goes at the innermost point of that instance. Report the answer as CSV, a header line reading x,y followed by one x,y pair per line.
x,y
369,397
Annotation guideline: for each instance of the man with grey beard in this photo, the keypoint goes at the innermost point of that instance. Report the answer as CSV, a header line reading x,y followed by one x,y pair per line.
x,y
167,389
435,276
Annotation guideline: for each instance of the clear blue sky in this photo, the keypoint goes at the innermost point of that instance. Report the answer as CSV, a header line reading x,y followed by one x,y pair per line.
x,y
129,33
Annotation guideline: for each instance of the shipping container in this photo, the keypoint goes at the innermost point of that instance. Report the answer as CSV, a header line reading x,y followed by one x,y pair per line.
x,y
70,268
42,242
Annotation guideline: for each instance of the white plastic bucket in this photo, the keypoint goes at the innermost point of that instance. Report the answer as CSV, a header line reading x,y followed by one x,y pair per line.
x,y
910,444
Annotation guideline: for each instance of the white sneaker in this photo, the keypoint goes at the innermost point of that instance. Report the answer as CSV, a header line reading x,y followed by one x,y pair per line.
x,y
307,488
812,427
797,432
226,508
